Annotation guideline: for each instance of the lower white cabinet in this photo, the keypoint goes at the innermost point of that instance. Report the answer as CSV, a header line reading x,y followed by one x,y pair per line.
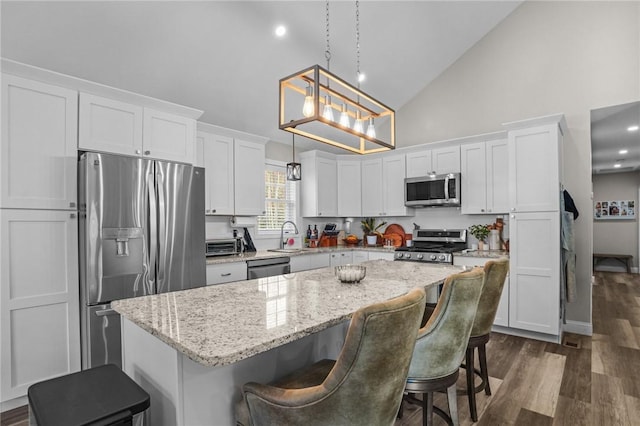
x,y
341,258
220,273
360,256
39,300
306,262
375,255
502,315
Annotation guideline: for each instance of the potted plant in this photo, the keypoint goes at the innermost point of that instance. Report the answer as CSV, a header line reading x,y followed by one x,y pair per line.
x,y
371,229
480,232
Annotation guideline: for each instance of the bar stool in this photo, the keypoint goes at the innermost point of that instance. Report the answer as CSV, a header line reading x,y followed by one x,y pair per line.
x,y
102,395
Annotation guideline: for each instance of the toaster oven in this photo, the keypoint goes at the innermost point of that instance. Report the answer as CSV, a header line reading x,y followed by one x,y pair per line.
x,y
223,247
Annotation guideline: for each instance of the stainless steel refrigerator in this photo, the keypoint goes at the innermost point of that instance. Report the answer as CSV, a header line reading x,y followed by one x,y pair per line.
x,y
141,232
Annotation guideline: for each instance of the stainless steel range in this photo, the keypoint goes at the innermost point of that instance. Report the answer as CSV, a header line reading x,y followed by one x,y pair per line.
x,y
433,246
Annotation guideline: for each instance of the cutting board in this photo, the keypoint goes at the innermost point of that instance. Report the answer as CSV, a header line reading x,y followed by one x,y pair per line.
x,y
396,234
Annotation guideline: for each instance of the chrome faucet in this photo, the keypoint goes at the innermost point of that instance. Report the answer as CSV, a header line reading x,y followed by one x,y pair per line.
x,y
282,242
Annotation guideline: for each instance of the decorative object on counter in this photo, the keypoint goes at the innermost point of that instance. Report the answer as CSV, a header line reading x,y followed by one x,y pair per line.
x,y
350,274
371,230
395,233
351,240
308,236
494,239
316,89
480,232
294,170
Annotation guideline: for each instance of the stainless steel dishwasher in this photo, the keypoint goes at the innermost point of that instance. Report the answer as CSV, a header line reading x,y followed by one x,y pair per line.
x,y
261,268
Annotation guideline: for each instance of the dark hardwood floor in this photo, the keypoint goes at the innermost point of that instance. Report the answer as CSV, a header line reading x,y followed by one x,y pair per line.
x,y
587,381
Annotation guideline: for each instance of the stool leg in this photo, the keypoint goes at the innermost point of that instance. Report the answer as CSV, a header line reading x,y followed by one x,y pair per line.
x,y
453,404
482,355
471,394
427,409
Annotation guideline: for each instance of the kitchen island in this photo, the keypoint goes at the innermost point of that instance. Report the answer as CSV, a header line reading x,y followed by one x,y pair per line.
x,y
192,350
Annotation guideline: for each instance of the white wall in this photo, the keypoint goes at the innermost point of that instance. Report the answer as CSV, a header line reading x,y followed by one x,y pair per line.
x,y
616,236
546,57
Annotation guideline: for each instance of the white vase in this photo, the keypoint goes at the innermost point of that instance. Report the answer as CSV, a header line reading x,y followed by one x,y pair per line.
x,y
371,240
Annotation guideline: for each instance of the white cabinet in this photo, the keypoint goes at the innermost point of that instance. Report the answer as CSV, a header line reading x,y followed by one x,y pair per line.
x,y
349,187
437,160
39,299
39,145
338,258
484,177
220,273
319,184
234,173
360,256
113,126
502,314
383,186
306,262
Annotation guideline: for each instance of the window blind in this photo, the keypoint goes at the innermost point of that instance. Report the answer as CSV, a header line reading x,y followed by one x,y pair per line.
x,y
280,199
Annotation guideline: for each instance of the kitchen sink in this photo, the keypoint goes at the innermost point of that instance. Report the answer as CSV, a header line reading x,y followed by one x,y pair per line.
x,y
288,250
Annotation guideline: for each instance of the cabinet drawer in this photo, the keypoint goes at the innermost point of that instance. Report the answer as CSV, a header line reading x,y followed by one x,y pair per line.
x,y
226,272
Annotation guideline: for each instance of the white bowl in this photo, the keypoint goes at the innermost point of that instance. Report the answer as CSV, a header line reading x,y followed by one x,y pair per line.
x,y
350,273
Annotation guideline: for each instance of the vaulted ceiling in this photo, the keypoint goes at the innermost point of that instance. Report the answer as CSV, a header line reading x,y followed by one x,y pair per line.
x,y
222,56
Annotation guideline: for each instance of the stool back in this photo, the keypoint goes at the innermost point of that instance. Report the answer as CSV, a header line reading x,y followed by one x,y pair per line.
x,y
495,272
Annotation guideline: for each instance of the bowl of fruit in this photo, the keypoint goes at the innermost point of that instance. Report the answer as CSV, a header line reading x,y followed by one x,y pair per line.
x,y
351,240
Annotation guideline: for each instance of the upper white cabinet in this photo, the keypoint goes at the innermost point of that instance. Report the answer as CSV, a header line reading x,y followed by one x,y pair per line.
x,y
39,299
234,172
534,168
383,186
39,145
437,160
319,184
118,127
484,176
349,187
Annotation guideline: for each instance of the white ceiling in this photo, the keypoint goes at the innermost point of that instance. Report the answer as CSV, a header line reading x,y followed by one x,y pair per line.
x,y
222,56
609,135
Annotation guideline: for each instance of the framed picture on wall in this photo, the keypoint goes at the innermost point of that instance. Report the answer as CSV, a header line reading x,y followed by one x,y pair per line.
x,y
616,209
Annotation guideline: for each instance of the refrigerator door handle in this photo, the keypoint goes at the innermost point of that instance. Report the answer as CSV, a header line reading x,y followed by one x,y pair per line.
x,y
152,243
105,312
161,226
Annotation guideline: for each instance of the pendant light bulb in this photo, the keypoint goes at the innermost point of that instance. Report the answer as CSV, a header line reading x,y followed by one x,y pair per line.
x,y
371,129
327,112
358,126
308,109
344,117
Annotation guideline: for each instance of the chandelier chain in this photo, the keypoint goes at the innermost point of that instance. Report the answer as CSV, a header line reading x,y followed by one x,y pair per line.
x,y
327,53
358,42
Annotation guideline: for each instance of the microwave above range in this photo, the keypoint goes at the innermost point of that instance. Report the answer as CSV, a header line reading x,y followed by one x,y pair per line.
x,y
433,190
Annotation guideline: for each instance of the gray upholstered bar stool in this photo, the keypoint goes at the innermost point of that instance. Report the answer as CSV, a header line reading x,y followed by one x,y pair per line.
x,y
362,387
441,344
495,272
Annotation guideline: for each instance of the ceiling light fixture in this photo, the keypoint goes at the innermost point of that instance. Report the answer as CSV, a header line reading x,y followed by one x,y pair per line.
x,y
617,165
623,151
306,107
633,128
281,30
294,170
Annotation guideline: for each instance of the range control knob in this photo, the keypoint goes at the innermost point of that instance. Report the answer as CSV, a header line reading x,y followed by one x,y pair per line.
x,y
408,255
419,256
399,255
433,257
442,257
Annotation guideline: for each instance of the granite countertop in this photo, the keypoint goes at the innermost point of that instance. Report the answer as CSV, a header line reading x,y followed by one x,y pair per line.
x,y
265,254
489,254
223,324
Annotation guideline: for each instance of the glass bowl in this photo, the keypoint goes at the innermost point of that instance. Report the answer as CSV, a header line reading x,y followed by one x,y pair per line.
x,y
350,273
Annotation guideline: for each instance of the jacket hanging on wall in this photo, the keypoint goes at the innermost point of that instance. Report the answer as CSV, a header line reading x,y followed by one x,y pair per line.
x,y
569,205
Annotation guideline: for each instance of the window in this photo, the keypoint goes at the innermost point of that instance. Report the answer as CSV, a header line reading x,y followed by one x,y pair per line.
x,y
279,199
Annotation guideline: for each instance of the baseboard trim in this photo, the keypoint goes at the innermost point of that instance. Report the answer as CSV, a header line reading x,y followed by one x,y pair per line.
x,y
578,327
607,268
13,403
552,338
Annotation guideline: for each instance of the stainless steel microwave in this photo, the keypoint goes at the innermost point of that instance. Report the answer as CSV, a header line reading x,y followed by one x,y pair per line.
x,y
433,190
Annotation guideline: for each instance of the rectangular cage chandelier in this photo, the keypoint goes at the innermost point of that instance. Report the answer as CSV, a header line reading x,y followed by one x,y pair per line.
x,y
319,105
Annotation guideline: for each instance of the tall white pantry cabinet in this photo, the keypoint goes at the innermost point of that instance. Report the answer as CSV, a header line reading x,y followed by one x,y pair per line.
x,y
535,185
39,307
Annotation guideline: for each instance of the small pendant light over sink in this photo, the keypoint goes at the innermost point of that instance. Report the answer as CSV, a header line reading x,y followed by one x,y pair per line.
x,y
294,170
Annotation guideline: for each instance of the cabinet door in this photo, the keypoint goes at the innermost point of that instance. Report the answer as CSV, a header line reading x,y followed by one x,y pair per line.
x,y
372,201
502,314
419,163
446,160
248,162
349,188
168,137
473,178
393,174
360,256
327,183
226,272
39,298
534,252
341,258
110,126
497,155
318,260
39,145
375,255
534,176
219,183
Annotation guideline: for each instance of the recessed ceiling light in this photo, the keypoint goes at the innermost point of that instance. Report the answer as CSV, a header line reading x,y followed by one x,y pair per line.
x,y
617,166
633,128
281,30
623,151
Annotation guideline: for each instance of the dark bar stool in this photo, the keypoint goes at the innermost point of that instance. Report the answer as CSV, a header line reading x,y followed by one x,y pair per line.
x,y
102,395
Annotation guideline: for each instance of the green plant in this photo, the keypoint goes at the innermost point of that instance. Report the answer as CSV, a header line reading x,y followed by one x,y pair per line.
x,y
369,226
479,231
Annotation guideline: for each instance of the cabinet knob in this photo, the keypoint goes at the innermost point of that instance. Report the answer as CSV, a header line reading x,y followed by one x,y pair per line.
x,y
513,209
481,210
72,204
264,212
208,211
319,213
225,275
138,152
213,210
72,215
147,153
513,216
